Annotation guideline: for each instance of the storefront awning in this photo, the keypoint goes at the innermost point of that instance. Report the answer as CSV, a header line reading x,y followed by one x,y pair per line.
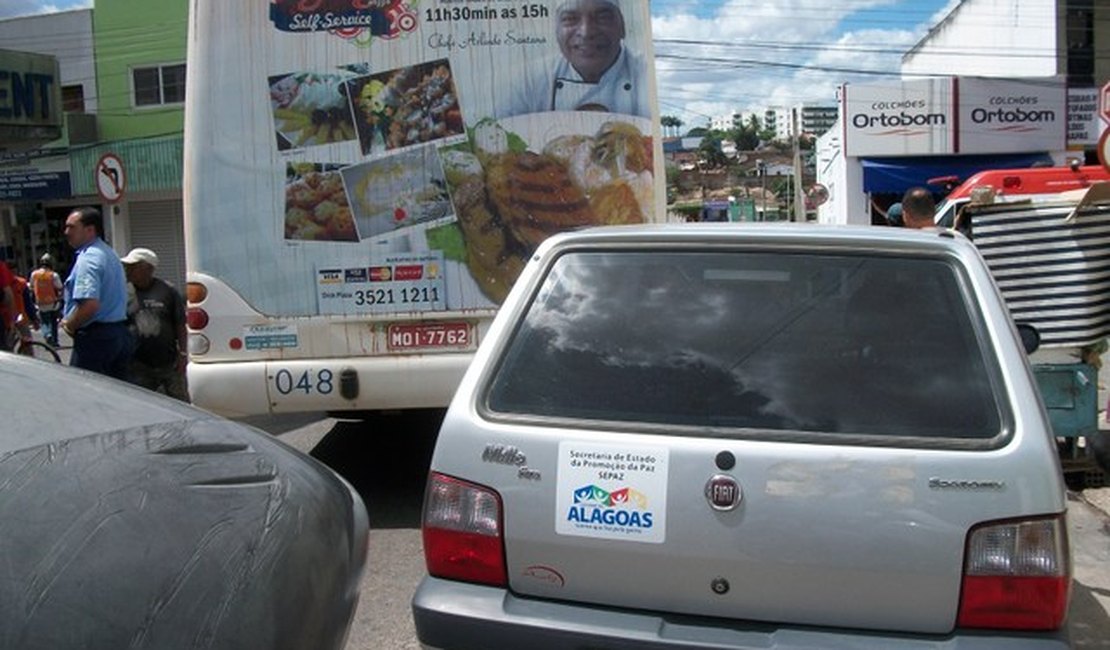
x,y
896,175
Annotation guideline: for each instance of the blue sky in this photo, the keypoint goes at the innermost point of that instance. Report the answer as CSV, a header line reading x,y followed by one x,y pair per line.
x,y
9,8
715,57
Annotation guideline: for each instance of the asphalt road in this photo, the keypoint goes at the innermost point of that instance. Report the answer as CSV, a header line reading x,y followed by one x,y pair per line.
x,y
386,459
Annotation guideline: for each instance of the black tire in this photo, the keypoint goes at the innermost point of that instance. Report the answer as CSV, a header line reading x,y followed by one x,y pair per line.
x,y
39,350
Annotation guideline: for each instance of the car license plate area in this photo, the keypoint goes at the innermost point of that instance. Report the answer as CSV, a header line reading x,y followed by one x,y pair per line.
x,y
427,336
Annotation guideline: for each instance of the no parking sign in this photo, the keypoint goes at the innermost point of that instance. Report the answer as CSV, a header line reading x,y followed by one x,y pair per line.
x,y
111,179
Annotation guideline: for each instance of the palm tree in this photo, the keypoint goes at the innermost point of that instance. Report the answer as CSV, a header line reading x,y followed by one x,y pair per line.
x,y
672,123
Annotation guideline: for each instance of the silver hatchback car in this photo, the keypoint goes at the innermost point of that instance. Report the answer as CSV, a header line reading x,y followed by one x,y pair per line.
x,y
730,437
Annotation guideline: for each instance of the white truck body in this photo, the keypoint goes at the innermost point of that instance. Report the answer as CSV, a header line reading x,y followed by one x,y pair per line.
x,y
365,178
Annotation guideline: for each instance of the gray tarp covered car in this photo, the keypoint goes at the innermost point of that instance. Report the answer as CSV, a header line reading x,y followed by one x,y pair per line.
x,y
133,521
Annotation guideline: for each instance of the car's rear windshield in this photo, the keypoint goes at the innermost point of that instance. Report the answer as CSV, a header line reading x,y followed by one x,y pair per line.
x,y
830,343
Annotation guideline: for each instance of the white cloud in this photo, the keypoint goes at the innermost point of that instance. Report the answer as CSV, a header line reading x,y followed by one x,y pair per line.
x,y
780,53
13,8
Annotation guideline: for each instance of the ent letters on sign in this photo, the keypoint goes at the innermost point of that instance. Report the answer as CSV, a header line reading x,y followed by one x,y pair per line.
x,y
25,95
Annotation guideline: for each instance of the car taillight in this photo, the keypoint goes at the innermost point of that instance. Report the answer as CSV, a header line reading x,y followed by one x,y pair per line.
x,y
1017,576
462,532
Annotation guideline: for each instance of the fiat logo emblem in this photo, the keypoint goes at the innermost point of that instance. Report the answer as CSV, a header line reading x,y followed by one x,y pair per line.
x,y
723,493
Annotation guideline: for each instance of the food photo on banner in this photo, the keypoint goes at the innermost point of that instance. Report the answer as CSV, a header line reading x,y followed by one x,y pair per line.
x,y
412,105
316,206
310,109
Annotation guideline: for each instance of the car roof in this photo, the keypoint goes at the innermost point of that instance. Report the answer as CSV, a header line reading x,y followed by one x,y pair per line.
x,y
47,403
767,234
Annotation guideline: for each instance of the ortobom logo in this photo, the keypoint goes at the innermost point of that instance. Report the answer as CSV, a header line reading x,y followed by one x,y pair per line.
x,y
594,505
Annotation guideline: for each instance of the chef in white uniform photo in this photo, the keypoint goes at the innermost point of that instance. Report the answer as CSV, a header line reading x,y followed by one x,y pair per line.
x,y
595,72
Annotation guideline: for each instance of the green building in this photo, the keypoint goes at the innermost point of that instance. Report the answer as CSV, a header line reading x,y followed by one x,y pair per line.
x,y
140,76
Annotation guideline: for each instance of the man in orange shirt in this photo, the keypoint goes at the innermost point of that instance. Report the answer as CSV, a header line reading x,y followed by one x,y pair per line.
x,y
47,288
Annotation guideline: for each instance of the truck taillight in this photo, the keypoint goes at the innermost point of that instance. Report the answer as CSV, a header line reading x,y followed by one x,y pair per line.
x,y
196,318
195,292
462,532
1017,575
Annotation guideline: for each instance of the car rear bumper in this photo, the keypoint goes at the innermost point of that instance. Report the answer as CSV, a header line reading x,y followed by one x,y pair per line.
x,y
457,616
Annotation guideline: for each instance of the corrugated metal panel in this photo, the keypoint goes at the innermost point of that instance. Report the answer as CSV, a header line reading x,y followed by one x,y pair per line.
x,y
1054,274
151,164
159,226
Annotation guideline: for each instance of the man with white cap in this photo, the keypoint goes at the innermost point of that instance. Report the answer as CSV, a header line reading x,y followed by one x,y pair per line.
x,y
157,317
596,71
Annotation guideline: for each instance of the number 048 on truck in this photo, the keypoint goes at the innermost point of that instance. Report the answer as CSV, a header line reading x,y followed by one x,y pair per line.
x,y
364,181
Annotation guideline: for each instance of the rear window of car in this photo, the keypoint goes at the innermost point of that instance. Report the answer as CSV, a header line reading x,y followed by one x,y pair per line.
x,y
831,343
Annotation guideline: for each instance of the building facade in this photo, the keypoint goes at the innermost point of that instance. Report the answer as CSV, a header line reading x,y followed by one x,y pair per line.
x,y
36,176
1038,62
1007,38
122,74
817,119
140,71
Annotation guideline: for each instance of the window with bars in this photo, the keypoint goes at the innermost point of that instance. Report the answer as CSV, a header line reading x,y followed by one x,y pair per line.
x,y
158,85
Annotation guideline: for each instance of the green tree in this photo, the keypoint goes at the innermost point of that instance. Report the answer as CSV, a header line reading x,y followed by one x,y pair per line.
x,y
745,138
710,150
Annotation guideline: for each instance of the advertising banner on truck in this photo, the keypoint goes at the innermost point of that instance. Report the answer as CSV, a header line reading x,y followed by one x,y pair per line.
x,y
368,157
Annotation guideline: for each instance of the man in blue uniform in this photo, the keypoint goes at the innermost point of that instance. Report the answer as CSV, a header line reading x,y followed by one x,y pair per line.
x,y
95,313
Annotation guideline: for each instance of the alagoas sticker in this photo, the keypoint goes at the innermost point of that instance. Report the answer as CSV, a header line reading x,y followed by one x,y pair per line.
x,y
612,492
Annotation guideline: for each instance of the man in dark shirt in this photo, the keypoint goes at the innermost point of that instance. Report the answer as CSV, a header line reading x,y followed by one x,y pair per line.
x,y
157,316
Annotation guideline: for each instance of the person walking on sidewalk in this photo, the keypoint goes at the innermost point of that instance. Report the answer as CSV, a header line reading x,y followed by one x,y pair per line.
x,y
157,317
95,313
47,287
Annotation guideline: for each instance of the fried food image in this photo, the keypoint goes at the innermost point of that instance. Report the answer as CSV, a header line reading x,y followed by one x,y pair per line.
x,y
491,257
310,109
508,199
316,207
616,204
536,197
621,148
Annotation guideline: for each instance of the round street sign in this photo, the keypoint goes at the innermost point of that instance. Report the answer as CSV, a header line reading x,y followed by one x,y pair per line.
x,y
1104,102
111,180
1104,150
818,194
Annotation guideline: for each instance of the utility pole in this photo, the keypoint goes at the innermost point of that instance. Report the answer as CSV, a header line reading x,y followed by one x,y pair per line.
x,y
799,195
762,167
